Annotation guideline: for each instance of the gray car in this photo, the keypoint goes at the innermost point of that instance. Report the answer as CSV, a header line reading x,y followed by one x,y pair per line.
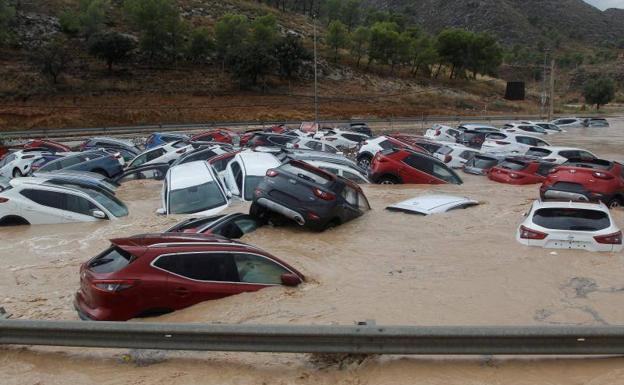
x,y
98,161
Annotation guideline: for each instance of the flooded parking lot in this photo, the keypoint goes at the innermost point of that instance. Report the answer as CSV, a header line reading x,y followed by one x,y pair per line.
x,y
463,267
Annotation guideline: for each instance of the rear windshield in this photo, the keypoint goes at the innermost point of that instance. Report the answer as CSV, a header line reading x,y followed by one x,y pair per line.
x,y
111,261
540,152
571,219
513,165
484,162
305,174
445,150
595,164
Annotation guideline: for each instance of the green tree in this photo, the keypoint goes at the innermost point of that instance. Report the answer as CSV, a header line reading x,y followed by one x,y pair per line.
x,y
599,91
92,15
230,31
112,47
453,46
290,55
404,52
251,63
383,42
425,55
52,59
201,45
159,23
332,10
484,54
264,31
337,37
350,14
7,15
359,42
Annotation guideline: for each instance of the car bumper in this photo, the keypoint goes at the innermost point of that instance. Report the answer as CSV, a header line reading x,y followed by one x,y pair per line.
x,y
565,195
281,209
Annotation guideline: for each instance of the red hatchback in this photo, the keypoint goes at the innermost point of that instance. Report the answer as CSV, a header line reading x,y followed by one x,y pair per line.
x,y
586,180
520,170
410,167
153,274
48,145
221,135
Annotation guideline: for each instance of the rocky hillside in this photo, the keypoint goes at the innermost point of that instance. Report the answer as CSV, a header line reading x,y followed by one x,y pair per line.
x,y
516,21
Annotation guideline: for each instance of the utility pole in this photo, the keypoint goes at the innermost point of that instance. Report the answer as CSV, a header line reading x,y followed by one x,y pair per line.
x,y
544,96
551,97
316,119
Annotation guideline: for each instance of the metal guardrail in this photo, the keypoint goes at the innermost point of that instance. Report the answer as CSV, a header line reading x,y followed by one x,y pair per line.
x,y
356,339
122,130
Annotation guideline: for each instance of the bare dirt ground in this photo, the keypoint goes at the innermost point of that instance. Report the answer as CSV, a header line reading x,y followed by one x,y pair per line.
x,y
459,268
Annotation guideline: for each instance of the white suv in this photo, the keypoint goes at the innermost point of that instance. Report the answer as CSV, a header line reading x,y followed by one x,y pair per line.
x,y
442,133
506,143
16,164
167,153
525,128
370,147
455,155
246,171
34,201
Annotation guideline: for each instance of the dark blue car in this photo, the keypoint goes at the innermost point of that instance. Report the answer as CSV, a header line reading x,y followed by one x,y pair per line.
x,y
103,162
160,138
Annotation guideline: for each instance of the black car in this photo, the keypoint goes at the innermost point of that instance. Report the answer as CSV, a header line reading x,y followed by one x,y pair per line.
x,y
309,196
154,171
232,226
471,138
359,127
270,140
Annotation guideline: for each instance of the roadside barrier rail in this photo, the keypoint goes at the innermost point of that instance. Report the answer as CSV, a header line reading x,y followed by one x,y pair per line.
x,y
367,338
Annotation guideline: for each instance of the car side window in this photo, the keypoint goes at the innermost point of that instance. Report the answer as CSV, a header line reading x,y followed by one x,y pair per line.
x,y
314,145
200,266
452,132
569,154
419,162
330,149
255,269
139,160
238,175
78,204
355,138
585,155
526,140
45,198
155,154
221,164
350,195
544,168
385,144
68,162
352,177
330,169
540,143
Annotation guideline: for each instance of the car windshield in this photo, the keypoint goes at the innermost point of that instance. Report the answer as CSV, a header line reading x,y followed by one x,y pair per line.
x,y
197,198
571,219
513,165
251,182
483,162
112,204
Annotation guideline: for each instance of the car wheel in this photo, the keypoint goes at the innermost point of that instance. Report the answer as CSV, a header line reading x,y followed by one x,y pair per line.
x,y
17,173
614,203
364,162
388,180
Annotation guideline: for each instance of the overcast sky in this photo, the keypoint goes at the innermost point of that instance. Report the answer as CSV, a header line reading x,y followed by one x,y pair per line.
x,y
604,4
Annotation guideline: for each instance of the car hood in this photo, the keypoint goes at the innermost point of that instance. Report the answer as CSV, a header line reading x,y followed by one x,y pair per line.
x,y
432,204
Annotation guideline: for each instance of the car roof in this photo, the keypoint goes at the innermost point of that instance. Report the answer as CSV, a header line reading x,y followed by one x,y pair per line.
x,y
173,239
317,162
558,148
256,163
432,203
539,204
189,174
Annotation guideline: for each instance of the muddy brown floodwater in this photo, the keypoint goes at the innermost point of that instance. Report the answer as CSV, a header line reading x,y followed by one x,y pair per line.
x,y
459,268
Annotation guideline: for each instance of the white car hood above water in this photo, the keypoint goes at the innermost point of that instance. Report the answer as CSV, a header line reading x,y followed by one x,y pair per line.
x,y
432,204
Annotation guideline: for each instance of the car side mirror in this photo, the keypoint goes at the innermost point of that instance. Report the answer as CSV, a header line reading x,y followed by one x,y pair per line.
x,y
98,214
160,211
290,279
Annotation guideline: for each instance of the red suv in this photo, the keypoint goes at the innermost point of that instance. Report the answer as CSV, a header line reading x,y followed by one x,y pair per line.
x,y
48,145
586,180
158,273
520,170
406,166
221,135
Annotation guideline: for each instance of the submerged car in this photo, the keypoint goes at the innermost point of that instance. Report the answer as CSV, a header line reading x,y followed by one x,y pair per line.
x,y
570,225
369,148
568,122
246,170
480,164
520,170
525,128
560,155
595,122
18,163
586,180
193,188
405,166
151,274
432,204
166,153
39,201
232,226
455,155
99,161
309,196
442,133
159,138
509,144
354,174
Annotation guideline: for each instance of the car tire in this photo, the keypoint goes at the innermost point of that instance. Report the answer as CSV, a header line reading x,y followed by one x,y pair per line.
x,y
364,161
614,203
17,173
388,179
257,211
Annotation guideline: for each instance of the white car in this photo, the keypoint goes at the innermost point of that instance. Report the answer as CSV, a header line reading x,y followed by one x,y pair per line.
x,y
568,122
525,128
432,204
455,155
508,143
477,127
16,164
442,133
559,155
167,153
246,170
312,144
39,201
549,127
370,147
340,138
193,188
344,171
570,225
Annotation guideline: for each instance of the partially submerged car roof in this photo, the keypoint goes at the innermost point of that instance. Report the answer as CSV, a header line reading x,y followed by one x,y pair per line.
x,y
432,204
172,239
189,174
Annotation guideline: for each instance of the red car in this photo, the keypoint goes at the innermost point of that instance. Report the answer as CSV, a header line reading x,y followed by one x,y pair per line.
x,y
222,135
520,170
410,167
586,180
158,273
419,141
48,145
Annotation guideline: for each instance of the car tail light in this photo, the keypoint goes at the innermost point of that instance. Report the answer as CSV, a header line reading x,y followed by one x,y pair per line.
x,y
610,239
516,176
323,194
4,200
447,158
114,285
501,142
526,233
313,216
602,175
272,173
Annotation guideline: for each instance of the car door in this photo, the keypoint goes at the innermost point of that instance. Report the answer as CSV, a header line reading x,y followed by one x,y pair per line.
x,y
349,208
199,276
155,171
234,178
50,207
256,271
